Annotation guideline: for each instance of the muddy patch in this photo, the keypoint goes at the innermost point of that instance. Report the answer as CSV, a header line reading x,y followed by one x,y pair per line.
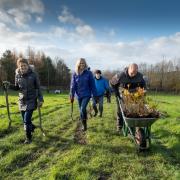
x,y
79,136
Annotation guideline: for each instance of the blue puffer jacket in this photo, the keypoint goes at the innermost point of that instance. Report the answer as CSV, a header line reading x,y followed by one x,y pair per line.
x,y
101,86
83,85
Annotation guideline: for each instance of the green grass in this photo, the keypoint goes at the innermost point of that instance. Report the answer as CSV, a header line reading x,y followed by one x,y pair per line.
x,y
101,153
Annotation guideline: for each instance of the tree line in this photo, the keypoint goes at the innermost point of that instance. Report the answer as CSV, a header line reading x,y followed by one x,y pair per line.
x,y
53,74
162,76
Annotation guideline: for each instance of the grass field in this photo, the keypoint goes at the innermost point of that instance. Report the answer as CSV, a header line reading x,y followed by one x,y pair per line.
x,y
101,153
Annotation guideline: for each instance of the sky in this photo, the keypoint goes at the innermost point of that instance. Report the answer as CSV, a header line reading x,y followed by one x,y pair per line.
x,y
109,34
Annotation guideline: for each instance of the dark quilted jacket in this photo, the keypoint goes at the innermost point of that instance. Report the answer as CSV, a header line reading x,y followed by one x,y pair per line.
x,y
29,86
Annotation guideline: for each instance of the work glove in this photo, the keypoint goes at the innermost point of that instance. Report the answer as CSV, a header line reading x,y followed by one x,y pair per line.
x,y
108,94
6,85
71,99
96,98
40,103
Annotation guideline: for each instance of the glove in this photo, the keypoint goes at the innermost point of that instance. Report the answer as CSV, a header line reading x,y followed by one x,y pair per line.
x,y
117,94
71,99
6,85
96,98
108,94
40,103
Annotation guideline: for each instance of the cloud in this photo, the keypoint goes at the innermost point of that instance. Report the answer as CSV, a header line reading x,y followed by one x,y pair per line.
x,y
19,13
79,32
80,40
102,55
67,17
85,30
39,19
4,17
112,32
32,6
20,17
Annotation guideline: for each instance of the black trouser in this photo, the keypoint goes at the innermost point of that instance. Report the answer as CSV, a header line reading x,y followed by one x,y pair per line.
x,y
119,121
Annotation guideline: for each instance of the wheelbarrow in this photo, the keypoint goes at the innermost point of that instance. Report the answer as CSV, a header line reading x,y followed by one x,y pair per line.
x,y
139,129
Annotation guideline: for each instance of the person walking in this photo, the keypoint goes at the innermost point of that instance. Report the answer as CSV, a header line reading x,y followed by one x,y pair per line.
x,y
27,82
83,86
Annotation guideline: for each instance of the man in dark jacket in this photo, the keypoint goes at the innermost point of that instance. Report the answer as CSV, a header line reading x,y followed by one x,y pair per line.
x,y
129,79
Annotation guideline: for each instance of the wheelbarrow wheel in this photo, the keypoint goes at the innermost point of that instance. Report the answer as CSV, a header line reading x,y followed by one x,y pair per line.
x,y
140,138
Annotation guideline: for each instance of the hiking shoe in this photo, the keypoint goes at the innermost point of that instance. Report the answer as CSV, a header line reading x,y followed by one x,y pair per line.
x,y
33,128
27,141
119,128
84,125
95,111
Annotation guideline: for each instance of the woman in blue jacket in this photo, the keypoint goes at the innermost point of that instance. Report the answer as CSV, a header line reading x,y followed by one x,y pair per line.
x,y
83,85
102,86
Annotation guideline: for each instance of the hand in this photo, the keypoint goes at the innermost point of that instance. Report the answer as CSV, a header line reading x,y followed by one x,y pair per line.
x,y
96,98
6,85
108,95
40,103
71,99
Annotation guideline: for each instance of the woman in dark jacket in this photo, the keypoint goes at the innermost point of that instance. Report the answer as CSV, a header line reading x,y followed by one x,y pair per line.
x,y
27,82
83,85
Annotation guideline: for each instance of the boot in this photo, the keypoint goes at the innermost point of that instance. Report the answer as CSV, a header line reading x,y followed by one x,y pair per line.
x,y
100,114
84,124
27,141
118,125
33,127
100,111
28,136
95,111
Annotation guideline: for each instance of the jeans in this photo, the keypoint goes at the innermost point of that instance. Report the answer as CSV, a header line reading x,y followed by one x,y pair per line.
x,y
83,102
100,101
27,115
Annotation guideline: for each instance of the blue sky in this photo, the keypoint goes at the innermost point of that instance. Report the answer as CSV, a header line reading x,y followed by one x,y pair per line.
x,y
108,33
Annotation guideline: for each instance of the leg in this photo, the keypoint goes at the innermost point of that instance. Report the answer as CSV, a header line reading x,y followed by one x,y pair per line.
x,y
100,106
84,112
79,103
119,116
94,107
27,124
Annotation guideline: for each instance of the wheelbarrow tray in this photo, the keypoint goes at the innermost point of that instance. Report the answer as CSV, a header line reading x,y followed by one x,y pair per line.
x,y
138,122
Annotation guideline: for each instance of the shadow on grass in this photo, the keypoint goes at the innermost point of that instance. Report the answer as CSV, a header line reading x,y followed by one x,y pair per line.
x,y
50,143
170,154
6,132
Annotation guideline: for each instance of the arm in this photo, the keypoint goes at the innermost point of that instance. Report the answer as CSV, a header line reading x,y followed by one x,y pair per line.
x,y
72,86
107,87
92,84
15,86
144,84
37,86
8,85
115,83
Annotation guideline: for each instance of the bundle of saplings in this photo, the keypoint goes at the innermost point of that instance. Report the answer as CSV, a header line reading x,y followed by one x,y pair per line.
x,y
137,105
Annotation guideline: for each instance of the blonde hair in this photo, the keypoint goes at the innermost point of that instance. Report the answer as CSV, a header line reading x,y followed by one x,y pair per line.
x,y
22,60
77,70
